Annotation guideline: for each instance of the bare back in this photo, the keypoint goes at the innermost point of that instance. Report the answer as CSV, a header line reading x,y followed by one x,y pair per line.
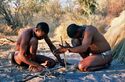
x,y
99,43
28,34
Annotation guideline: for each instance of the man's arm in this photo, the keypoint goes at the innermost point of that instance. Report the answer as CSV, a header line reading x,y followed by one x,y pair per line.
x,y
85,43
23,48
52,47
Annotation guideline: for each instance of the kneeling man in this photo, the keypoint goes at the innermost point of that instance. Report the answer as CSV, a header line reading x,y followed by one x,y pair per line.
x,y
91,45
26,48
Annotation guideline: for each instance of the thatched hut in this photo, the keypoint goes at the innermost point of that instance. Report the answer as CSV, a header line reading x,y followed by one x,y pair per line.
x,y
115,35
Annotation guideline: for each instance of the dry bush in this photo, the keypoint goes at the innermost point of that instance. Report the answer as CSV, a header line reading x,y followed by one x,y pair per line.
x,y
66,21
88,7
61,32
103,17
52,12
5,30
20,12
106,12
115,7
99,22
102,6
117,30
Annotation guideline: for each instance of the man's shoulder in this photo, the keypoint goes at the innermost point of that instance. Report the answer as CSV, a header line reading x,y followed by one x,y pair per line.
x,y
91,28
26,31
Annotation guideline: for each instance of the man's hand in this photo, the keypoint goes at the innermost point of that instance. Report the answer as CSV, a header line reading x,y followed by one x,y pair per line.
x,y
67,45
36,68
60,50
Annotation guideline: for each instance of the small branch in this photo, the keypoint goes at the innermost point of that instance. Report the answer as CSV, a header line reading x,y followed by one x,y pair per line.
x,y
10,40
41,74
64,54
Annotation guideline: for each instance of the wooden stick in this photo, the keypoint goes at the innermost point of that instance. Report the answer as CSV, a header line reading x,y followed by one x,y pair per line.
x,y
39,74
6,66
64,54
11,40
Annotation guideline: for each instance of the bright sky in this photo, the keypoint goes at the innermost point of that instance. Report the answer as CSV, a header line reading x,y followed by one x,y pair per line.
x,y
65,2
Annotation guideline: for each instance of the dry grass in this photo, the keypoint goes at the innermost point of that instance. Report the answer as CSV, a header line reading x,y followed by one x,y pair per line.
x,y
59,19
117,30
5,29
66,21
115,7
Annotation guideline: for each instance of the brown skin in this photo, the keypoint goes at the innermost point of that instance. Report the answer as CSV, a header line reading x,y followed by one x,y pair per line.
x,y
93,41
27,43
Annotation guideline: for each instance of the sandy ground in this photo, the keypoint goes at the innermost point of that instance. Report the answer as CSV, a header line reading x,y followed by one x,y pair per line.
x,y
115,73
8,73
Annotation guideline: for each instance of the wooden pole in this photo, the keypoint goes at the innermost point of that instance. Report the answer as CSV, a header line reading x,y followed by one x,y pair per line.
x,y
64,54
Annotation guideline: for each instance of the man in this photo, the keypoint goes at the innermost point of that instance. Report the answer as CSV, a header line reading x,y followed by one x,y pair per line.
x,y
91,45
26,47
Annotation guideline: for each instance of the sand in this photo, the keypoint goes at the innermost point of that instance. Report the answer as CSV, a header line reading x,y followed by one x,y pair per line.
x,y
115,73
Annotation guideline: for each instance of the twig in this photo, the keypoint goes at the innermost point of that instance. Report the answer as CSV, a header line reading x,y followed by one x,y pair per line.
x,y
7,39
64,54
6,66
29,78
39,74
10,40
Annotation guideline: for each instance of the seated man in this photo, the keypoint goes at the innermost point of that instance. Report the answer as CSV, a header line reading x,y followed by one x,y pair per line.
x,y
27,45
91,45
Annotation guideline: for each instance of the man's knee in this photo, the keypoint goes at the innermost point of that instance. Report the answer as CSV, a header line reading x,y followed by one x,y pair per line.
x,y
83,66
75,42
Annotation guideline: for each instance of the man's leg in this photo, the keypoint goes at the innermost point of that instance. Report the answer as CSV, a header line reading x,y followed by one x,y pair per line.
x,y
33,45
39,58
49,62
94,62
16,60
77,42
11,57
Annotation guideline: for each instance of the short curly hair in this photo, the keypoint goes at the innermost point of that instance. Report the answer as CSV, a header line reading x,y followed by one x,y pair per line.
x,y
44,26
72,30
